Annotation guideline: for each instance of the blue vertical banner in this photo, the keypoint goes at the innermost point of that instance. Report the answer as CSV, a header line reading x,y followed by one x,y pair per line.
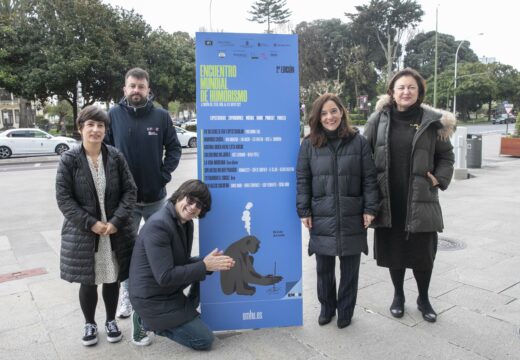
x,y
248,139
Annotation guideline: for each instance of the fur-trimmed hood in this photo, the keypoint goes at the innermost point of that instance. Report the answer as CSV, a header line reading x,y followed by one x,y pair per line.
x,y
447,120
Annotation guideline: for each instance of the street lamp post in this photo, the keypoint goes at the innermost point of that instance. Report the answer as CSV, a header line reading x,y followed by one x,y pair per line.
x,y
436,56
210,25
455,80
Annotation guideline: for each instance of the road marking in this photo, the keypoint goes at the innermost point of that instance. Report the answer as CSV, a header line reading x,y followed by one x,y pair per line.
x,y
22,274
37,165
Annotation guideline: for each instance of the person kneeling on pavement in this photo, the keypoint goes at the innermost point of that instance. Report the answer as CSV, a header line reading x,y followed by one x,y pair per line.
x,y
162,268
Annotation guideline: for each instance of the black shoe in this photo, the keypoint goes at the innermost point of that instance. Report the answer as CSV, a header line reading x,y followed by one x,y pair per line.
x,y
427,311
324,320
397,307
343,323
90,336
113,333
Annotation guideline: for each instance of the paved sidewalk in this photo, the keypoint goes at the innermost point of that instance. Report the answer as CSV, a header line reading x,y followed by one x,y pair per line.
x,y
475,290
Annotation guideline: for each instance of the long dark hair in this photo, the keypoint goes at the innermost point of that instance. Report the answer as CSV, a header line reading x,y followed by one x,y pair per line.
x,y
317,135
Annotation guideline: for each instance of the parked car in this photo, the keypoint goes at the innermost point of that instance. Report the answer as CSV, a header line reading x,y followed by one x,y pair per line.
x,y
190,122
186,138
32,141
503,119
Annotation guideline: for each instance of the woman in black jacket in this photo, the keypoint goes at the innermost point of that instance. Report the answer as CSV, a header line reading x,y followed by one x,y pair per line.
x,y
337,200
95,192
414,158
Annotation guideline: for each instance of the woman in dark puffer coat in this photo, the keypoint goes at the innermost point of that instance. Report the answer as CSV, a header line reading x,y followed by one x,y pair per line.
x,y
95,192
414,159
337,200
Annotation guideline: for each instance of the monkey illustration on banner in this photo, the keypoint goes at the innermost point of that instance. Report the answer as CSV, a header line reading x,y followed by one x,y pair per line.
x,y
239,278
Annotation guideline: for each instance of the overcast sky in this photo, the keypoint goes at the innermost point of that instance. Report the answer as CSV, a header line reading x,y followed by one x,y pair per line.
x,y
497,20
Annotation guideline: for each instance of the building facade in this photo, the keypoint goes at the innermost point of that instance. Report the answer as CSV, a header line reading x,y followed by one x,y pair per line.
x,y
15,112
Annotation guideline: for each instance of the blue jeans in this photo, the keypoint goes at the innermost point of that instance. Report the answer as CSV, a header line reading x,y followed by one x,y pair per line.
x,y
194,334
143,211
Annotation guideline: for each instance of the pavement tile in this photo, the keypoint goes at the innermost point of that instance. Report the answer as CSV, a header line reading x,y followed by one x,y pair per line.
x,y
378,297
27,342
4,243
511,248
474,257
7,258
509,313
513,291
476,333
23,306
439,285
475,299
372,336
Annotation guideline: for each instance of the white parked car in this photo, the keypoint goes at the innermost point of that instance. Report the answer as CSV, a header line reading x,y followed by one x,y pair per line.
x,y
186,138
32,141
189,122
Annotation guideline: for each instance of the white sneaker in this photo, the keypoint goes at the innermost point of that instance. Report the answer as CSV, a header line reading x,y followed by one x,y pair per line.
x,y
125,308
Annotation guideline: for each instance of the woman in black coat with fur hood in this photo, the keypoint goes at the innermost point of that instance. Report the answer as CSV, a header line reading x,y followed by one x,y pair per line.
x,y
336,200
414,159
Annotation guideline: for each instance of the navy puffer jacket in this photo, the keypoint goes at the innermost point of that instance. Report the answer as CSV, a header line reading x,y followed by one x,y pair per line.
x,y
335,188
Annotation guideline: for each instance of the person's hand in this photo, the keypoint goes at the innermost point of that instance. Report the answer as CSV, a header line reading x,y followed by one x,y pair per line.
x,y
367,220
217,261
99,228
307,222
433,179
111,229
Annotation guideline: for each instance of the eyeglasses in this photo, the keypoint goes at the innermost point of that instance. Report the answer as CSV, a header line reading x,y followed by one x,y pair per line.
x,y
193,201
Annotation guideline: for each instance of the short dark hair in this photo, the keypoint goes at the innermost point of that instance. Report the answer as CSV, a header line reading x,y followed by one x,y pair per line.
x,y
92,112
138,73
317,135
197,189
421,83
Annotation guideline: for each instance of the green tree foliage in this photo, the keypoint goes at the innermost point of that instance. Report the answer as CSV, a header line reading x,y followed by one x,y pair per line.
x,y
360,75
329,52
322,45
387,20
57,43
270,12
507,80
171,64
420,53
475,87
63,110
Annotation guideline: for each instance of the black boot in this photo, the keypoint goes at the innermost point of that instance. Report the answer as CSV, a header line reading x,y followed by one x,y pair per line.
x,y
426,309
325,319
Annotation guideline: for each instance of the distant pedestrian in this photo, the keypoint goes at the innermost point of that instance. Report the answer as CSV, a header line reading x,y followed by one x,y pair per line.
x,y
146,137
95,192
336,201
162,268
414,159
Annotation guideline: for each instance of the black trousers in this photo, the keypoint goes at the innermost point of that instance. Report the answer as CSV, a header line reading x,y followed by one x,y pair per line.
x,y
345,300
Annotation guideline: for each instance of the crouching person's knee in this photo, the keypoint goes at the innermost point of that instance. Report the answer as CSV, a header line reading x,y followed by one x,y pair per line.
x,y
203,342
